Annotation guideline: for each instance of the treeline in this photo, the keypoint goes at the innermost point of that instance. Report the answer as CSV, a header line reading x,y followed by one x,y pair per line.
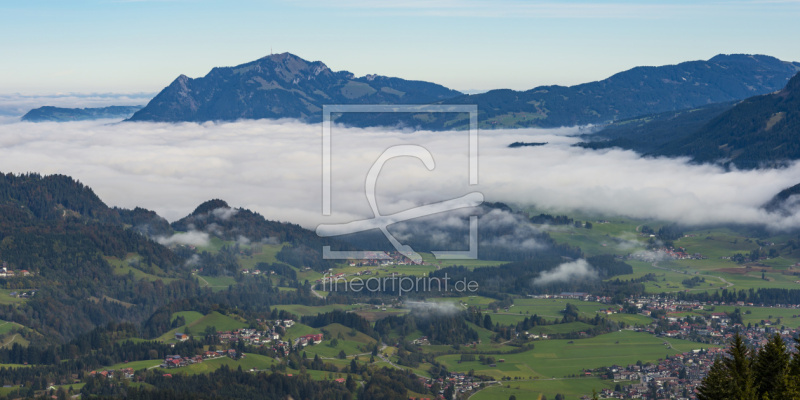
x,y
222,383
762,296
100,347
547,219
47,197
665,233
380,384
439,327
520,277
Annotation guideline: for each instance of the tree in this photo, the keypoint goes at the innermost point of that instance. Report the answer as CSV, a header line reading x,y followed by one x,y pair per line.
x,y
732,377
740,368
342,354
715,385
771,367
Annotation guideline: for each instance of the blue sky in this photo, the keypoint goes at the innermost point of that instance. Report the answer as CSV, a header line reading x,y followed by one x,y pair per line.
x,y
142,45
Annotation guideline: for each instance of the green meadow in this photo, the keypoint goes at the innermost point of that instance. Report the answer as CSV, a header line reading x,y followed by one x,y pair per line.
x,y
564,358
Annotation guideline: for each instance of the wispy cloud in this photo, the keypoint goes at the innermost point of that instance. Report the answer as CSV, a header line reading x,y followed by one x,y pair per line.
x,y
579,269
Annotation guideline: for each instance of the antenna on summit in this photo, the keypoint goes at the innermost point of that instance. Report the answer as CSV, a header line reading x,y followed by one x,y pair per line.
x,y
270,50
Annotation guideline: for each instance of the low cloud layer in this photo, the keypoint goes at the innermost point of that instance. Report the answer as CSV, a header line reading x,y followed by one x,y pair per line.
x,y
274,168
432,307
191,238
566,272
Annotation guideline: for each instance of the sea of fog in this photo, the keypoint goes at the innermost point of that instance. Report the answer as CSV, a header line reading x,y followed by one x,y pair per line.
x,y
275,168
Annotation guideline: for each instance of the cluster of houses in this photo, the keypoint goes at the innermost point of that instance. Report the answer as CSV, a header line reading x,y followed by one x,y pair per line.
x,y
679,375
250,336
305,340
177,361
23,294
122,373
6,272
461,383
674,377
374,259
572,295
666,253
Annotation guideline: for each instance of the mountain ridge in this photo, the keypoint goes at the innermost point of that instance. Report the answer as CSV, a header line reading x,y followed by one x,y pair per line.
x,y
287,86
61,114
279,86
759,131
626,94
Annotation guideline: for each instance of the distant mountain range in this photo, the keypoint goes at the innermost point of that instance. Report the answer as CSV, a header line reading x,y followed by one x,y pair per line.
x,y
286,86
280,86
759,131
59,114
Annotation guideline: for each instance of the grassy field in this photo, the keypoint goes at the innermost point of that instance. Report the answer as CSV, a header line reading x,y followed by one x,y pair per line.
x,y
250,361
136,365
570,388
123,267
6,298
262,253
560,358
9,341
621,236
301,310
198,325
298,330
215,244
631,319
351,345
216,283
6,326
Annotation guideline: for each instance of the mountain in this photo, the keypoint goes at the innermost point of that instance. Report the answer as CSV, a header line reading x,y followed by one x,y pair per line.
x,y
635,92
286,86
58,114
760,131
647,133
279,86
77,252
90,265
784,201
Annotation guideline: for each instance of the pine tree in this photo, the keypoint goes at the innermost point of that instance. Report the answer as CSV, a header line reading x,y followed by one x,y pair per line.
x,y
770,368
716,385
